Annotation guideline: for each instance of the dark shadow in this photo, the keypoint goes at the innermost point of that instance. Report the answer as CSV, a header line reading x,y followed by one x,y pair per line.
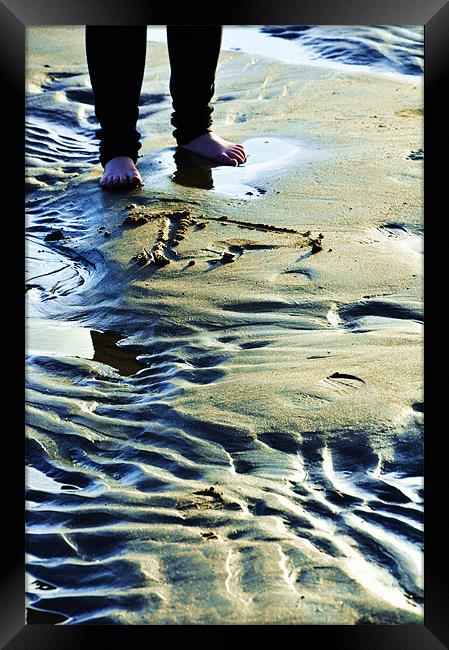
x,y
193,170
119,357
36,616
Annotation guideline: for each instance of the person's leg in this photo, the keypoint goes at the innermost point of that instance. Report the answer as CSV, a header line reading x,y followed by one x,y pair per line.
x,y
193,52
116,62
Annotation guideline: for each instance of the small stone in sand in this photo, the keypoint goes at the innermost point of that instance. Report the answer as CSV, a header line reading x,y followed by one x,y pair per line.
x,y
56,235
317,244
210,491
135,220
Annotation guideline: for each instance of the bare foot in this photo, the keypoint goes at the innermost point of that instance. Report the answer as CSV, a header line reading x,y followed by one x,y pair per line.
x,y
212,146
120,172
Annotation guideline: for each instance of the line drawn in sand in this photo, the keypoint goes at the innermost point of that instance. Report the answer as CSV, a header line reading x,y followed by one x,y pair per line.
x,y
174,227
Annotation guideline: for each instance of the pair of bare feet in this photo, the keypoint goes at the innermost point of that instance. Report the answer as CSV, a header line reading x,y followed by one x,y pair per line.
x,y
122,172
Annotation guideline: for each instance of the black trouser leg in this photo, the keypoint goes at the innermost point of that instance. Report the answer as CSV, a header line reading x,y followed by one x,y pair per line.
x,y
193,52
116,62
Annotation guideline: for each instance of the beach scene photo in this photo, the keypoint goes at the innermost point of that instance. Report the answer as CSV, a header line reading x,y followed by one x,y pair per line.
x,y
224,348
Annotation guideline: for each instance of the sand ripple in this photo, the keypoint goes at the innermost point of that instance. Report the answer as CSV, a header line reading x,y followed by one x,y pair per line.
x,y
212,461
184,513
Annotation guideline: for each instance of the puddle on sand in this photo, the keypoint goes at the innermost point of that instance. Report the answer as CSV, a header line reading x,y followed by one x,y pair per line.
x,y
53,273
63,339
266,157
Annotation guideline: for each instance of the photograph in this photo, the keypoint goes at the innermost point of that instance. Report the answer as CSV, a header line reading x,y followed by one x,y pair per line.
x,y
224,329
222,338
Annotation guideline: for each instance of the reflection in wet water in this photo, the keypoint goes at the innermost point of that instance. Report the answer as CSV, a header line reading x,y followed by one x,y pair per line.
x,y
267,157
192,170
64,340
119,357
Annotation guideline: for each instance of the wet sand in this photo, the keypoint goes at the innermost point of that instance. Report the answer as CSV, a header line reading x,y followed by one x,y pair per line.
x,y
225,368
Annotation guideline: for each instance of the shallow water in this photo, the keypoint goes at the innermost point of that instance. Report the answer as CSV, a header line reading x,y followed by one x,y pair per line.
x,y
143,504
267,157
380,49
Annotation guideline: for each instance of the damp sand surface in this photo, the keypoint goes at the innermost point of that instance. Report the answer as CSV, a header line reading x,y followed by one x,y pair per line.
x,y
224,368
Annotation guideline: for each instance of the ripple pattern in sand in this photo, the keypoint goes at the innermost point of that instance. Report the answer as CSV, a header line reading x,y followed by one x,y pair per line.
x,y
141,514
142,511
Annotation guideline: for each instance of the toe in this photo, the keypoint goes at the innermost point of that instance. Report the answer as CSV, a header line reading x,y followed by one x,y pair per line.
x,y
227,160
124,180
240,149
243,151
235,153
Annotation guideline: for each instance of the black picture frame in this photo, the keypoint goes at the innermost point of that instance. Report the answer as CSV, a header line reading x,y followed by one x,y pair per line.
x,y
15,16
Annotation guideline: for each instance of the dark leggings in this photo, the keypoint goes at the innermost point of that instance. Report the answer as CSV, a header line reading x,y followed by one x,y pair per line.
x,y
116,62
